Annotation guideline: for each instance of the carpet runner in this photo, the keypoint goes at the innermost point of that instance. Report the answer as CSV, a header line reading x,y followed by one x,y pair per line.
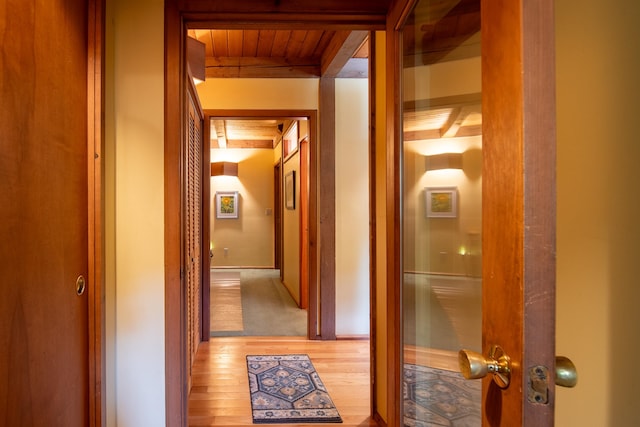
x,y
287,389
435,397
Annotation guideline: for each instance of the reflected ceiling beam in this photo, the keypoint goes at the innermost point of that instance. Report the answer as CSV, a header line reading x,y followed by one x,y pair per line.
x,y
456,119
443,102
341,50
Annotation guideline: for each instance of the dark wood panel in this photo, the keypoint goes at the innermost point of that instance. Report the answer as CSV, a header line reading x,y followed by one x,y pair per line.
x,y
326,198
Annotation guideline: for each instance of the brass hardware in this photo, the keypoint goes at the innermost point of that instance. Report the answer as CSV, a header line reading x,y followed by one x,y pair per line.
x,y
566,372
80,285
473,365
538,391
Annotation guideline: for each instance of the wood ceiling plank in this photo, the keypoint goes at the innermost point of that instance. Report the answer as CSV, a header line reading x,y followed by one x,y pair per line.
x,y
250,42
234,42
310,43
265,42
220,43
280,42
295,43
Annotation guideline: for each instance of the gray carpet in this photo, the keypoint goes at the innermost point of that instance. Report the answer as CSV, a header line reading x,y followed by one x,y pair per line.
x,y
267,307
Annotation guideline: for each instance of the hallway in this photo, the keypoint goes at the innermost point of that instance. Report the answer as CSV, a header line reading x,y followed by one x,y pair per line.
x,y
220,391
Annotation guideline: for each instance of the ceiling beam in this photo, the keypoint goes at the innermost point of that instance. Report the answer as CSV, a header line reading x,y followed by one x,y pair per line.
x,y
253,67
341,49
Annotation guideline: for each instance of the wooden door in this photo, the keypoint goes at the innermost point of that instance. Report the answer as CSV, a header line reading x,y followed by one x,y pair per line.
x,y
44,324
482,108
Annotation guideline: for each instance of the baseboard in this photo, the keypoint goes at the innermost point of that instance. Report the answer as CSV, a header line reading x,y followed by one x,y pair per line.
x,y
363,337
240,267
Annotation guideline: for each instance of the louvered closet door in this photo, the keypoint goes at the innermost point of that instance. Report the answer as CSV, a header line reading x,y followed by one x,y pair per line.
x,y
193,230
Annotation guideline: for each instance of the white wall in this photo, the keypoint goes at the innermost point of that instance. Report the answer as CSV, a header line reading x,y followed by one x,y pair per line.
x,y
352,207
135,286
598,64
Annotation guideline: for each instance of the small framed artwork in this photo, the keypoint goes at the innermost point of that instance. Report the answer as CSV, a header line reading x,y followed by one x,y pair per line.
x,y
227,204
290,190
441,202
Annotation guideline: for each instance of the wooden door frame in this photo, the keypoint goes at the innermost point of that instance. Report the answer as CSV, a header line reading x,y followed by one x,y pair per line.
x,y
519,200
309,281
96,211
334,14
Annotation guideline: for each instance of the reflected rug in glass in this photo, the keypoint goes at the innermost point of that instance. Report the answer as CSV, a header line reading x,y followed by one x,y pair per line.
x,y
287,389
435,397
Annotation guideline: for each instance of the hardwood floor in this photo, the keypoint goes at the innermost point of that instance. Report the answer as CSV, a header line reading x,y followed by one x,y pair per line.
x,y
226,302
220,389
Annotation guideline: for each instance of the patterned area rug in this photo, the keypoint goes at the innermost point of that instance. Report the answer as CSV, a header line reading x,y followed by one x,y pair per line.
x,y
435,397
287,389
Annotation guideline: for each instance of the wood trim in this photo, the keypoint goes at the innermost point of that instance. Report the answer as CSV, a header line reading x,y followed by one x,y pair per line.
x,y
538,63
397,15
327,197
175,317
96,212
304,223
373,282
314,227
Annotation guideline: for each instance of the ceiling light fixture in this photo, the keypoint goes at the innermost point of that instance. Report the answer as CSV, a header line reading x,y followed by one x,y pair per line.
x,y
444,161
224,169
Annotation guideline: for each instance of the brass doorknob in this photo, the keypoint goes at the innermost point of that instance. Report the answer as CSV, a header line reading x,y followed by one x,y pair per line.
x,y
566,372
474,365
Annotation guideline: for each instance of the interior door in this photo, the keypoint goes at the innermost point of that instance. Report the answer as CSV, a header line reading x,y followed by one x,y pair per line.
x,y
477,162
44,326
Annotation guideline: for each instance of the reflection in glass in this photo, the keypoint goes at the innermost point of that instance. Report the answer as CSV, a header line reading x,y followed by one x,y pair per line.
x,y
442,188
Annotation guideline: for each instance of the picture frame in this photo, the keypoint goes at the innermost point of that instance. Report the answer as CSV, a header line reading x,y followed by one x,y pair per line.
x,y
441,202
227,204
290,190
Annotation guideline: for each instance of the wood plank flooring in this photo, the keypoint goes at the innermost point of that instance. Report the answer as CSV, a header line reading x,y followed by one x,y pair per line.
x,y
226,302
220,389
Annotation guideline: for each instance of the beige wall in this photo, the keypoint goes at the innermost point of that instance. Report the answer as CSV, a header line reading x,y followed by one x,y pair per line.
x,y
135,213
444,245
352,207
247,241
598,64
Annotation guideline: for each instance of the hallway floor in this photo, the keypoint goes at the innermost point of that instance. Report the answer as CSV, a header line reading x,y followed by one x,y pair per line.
x,y
220,391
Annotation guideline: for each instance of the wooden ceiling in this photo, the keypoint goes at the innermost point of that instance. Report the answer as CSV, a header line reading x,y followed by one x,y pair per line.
x,y
267,53
247,133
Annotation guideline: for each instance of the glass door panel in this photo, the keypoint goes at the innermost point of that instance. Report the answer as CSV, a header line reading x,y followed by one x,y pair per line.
x,y
441,210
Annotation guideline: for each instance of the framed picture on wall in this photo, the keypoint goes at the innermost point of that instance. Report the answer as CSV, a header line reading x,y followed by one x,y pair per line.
x,y
441,202
290,190
227,204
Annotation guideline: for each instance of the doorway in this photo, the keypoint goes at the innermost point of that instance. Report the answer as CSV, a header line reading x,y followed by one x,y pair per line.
x,y
267,230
